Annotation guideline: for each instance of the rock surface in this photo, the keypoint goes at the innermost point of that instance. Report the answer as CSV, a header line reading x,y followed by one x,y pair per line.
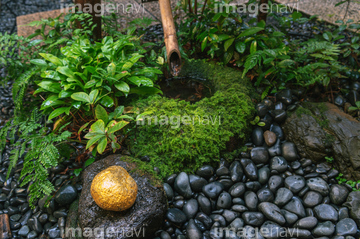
x,y
319,129
146,214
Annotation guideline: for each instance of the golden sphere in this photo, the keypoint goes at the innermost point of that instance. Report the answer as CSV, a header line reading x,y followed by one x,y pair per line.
x,y
114,189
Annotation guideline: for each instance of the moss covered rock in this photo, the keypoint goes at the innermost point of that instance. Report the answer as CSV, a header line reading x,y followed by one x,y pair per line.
x,y
177,135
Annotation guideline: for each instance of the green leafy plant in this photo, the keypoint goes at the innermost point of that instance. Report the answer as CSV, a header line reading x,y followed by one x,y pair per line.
x,y
256,121
353,184
329,159
42,153
88,74
104,129
354,108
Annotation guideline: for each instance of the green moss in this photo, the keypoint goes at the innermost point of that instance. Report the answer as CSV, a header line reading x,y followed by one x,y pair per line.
x,y
178,146
315,110
143,168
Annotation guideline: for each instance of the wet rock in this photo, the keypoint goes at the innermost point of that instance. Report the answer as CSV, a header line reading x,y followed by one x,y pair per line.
x,y
204,204
213,190
306,223
318,185
224,201
257,136
236,171
278,164
311,199
182,185
324,229
237,190
66,195
295,183
346,227
251,200
255,219
272,212
353,204
272,230
264,175
326,212
250,169
197,183
149,207
289,151
205,171
290,217
270,138
191,208
283,196
295,206
314,142
259,155
265,195
338,194
192,231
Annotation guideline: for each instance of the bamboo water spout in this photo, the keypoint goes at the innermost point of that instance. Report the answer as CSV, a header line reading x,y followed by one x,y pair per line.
x,y
171,43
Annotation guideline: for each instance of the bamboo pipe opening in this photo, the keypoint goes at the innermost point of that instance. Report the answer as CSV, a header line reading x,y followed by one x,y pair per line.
x,y
171,43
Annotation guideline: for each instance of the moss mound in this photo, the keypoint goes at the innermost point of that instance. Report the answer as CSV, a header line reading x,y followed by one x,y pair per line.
x,y
177,135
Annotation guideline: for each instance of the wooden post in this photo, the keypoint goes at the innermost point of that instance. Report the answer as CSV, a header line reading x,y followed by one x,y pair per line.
x,y
97,33
5,231
171,43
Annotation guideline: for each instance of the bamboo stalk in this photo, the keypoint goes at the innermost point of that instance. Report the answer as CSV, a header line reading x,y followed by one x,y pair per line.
x,y
5,231
171,43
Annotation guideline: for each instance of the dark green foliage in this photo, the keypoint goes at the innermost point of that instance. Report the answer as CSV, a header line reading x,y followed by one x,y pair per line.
x,y
41,152
189,146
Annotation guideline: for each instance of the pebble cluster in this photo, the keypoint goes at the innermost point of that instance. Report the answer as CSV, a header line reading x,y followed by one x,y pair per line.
x,y
10,9
42,221
268,192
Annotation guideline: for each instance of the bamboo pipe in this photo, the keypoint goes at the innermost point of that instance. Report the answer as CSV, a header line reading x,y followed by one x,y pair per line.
x,y
171,43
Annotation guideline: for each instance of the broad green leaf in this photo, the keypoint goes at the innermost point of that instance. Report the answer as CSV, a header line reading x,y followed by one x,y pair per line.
x,y
50,86
253,47
66,71
107,101
203,43
94,139
286,63
117,112
93,95
240,47
118,126
53,59
58,112
89,161
90,84
102,145
101,114
327,36
251,31
98,127
121,75
65,94
81,96
111,69
228,43
76,104
38,62
223,37
278,34
50,75
123,86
